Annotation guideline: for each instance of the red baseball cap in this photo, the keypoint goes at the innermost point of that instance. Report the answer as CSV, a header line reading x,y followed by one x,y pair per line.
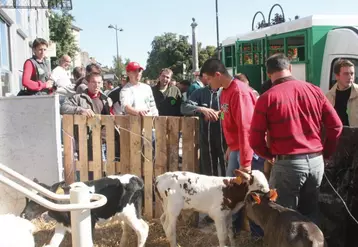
x,y
133,66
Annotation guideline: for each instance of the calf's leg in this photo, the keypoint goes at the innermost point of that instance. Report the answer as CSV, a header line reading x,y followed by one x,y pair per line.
x,y
172,211
58,236
130,218
124,238
221,229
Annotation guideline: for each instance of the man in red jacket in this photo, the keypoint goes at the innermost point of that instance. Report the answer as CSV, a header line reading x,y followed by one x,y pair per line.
x,y
237,102
294,112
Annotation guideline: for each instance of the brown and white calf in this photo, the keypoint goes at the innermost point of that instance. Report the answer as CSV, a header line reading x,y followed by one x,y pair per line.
x,y
215,196
282,226
124,202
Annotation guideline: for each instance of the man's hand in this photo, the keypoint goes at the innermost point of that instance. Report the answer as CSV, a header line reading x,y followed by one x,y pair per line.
x,y
227,153
246,169
49,84
210,114
87,113
143,113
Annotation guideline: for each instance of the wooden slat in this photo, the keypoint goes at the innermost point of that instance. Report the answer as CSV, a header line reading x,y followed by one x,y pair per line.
x,y
197,146
173,143
161,154
95,125
108,122
136,145
123,122
190,160
81,121
148,167
68,148
189,144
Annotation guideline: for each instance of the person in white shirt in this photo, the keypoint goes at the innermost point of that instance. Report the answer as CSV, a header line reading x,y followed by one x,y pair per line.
x,y
60,74
137,98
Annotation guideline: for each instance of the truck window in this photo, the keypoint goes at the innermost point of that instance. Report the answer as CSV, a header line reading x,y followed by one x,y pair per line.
x,y
276,46
296,48
332,79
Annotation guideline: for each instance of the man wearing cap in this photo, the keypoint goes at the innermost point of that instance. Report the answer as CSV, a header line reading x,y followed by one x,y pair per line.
x,y
137,98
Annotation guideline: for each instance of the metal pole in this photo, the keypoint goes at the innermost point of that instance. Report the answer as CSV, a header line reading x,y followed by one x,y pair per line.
x,y
117,46
81,226
217,29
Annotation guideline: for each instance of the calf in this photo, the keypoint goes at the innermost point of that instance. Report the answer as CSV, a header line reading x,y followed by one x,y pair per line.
x,y
282,226
218,197
124,202
16,231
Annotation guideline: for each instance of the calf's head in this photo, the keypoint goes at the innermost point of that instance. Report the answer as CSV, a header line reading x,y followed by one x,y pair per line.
x,y
255,179
256,204
32,209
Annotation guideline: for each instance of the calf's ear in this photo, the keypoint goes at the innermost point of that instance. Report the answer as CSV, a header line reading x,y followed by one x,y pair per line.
x,y
273,195
256,197
245,177
36,180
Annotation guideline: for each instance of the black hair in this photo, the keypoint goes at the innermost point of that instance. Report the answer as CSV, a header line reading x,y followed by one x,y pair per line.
x,y
213,65
185,83
93,67
39,41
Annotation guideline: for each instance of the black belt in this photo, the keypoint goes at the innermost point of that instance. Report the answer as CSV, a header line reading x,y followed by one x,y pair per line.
x,y
298,156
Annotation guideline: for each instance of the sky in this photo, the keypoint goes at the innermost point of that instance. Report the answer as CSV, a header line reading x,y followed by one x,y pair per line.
x,y
142,20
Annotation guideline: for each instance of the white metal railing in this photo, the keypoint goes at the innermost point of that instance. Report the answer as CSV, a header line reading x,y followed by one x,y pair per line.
x,y
79,206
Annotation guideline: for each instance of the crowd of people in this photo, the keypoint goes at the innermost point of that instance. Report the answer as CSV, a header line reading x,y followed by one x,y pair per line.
x,y
279,131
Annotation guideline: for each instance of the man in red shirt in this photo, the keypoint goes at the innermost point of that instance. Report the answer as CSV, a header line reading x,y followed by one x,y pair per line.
x,y
237,102
293,113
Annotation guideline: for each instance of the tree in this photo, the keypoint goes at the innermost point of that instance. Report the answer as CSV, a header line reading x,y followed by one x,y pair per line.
x,y
206,53
175,52
119,67
60,24
278,18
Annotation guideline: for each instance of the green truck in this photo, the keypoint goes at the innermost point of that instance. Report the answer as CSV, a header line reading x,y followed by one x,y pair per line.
x,y
312,43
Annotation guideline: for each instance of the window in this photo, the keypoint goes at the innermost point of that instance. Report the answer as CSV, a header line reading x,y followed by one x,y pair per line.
x,y
296,48
332,80
4,45
4,58
247,53
229,55
18,14
276,46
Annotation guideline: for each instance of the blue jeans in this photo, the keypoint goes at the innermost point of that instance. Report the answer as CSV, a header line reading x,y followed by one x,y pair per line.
x,y
297,183
234,163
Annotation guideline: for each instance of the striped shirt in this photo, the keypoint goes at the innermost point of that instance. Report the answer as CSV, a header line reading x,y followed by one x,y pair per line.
x,y
293,113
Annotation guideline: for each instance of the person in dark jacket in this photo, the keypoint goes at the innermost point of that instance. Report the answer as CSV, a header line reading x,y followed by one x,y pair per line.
x,y
36,75
167,97
204,102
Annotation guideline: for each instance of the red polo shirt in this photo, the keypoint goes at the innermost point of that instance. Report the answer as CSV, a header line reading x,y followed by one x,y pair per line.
x,y
237,106
293,111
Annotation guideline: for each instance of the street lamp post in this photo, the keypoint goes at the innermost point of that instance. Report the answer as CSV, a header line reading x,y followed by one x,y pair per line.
x,y
120,30
217,28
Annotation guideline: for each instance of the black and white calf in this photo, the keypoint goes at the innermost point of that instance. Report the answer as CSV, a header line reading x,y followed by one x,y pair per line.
x,y
124,202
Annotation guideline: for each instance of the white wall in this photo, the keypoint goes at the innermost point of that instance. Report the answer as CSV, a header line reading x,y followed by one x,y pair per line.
x,y
30,143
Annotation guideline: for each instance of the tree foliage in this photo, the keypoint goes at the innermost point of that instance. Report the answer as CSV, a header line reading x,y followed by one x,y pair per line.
x,y
175,52
277,19
60,24
119,67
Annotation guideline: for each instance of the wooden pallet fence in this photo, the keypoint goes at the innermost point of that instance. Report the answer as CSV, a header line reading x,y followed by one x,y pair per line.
x,y
136,149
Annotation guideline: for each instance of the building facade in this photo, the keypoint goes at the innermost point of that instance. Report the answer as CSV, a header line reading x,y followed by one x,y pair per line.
x,y
18,28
